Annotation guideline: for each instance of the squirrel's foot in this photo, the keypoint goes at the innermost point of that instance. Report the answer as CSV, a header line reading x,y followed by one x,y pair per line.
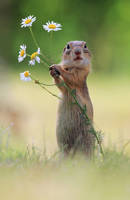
x,y
54,72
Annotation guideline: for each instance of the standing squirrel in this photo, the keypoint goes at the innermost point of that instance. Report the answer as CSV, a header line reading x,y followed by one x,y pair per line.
x,y
72,130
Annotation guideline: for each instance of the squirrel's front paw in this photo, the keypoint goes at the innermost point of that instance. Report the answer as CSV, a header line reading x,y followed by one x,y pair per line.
x,y
54,72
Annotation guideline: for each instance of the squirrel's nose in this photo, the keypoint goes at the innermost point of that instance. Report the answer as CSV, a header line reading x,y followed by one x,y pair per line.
x,y
77,51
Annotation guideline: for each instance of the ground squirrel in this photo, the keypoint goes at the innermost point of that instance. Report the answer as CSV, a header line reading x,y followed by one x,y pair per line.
x,y
72,130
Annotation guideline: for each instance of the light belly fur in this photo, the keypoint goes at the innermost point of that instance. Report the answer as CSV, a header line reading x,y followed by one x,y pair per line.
x,y
71,125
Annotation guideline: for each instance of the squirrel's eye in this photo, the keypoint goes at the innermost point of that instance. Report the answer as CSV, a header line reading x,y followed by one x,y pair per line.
x,y
85,46
68,46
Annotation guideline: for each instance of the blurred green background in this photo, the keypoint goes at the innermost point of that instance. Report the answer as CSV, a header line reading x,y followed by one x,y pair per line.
x,y
105,25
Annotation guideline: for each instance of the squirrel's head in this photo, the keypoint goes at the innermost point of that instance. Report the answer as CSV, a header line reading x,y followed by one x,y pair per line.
x,y
76,53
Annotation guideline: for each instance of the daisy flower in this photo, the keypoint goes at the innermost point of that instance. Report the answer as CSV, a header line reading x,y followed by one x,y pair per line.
x,y
52,26
34,57
25,76
28,21
22,53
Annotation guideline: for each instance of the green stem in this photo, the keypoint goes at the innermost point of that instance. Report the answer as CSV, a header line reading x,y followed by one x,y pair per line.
x,y
28,55
87,118
50,92
42,61
51,35
42,86
37,45
34,39
48,84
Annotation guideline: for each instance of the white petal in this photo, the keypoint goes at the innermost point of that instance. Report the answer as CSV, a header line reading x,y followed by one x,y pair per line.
x,y
20,59
27,79
45,27
32,62
22,76
24,55
57,29
23,24
34,19
38,51
23,47
37,59
58,25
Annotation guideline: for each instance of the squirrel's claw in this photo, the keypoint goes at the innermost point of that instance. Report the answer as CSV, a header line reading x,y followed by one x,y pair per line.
x,y
54,72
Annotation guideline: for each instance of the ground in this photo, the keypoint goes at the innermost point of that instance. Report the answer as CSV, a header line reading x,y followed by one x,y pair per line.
x,y
29,166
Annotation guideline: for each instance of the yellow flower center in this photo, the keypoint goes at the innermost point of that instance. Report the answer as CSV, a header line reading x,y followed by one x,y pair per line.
x,y
28,21
22,53
34,55
26,74
52,26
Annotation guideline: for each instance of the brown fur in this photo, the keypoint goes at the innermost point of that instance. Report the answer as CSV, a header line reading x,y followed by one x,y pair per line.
x,y
72,130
